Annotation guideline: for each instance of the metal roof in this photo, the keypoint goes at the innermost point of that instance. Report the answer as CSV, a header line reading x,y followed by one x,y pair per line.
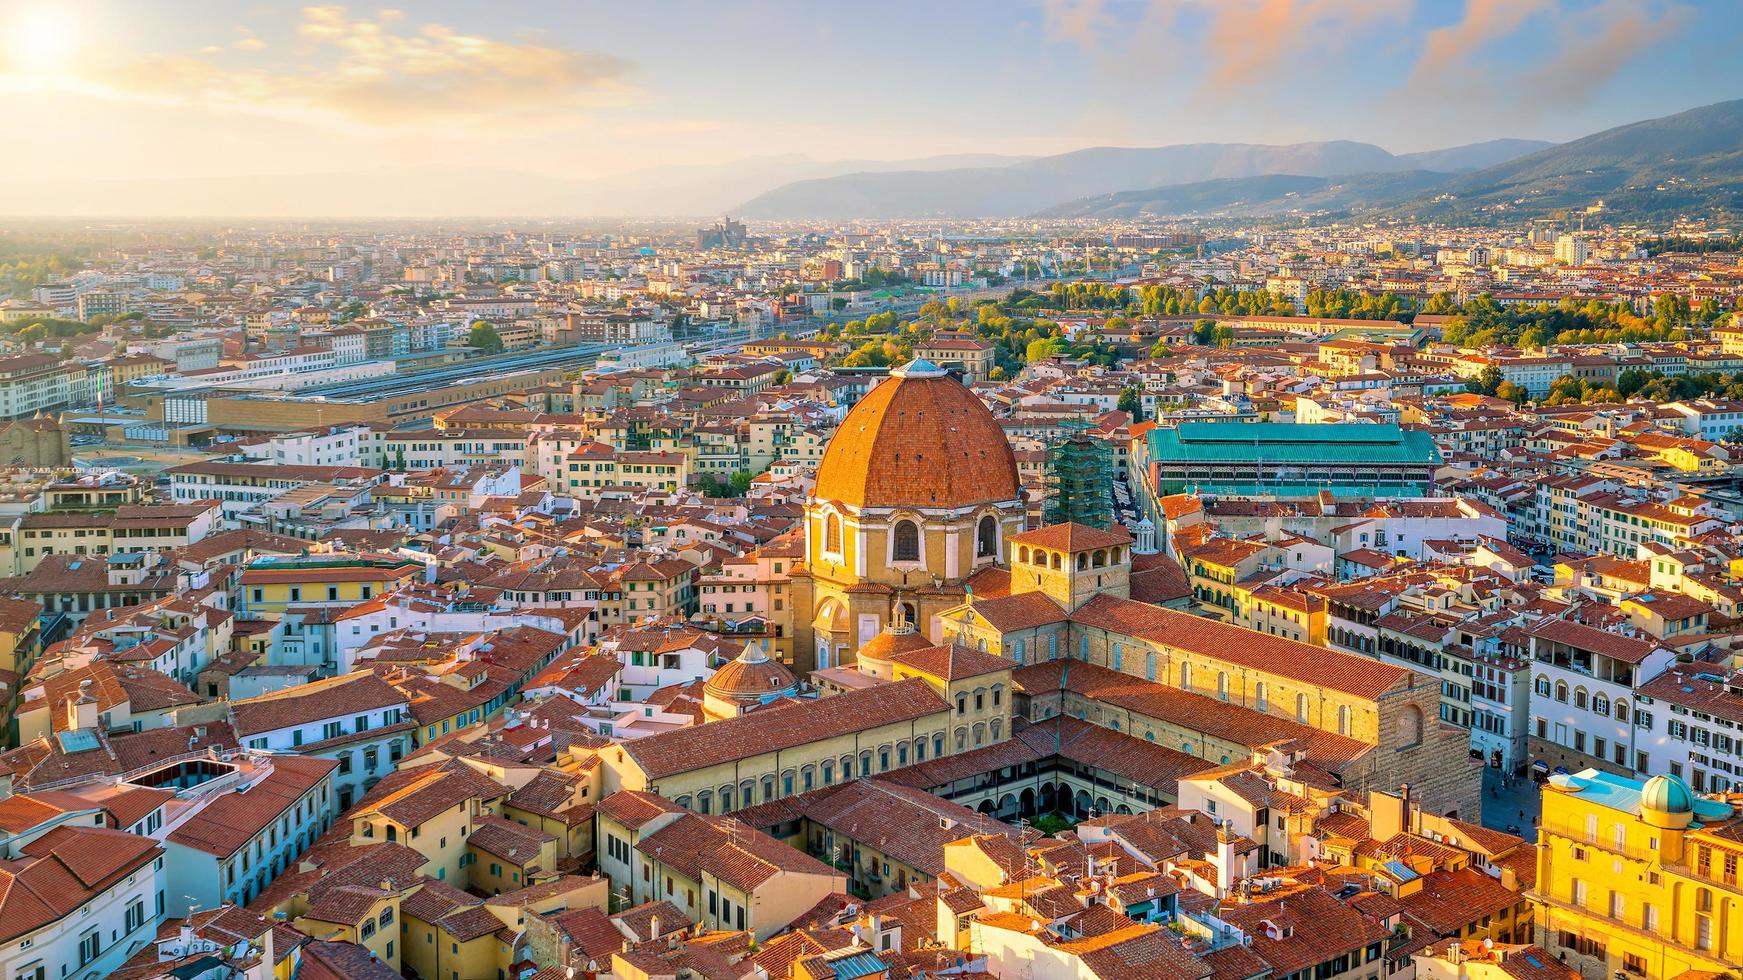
x,y
1281,442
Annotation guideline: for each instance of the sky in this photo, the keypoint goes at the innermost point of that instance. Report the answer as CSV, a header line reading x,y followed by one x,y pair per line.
x,y
132,89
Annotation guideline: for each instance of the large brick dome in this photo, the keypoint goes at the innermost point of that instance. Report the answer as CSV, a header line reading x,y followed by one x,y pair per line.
x,y
919,439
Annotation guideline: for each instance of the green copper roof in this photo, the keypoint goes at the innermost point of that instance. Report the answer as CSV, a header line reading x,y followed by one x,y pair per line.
x,y
1280,442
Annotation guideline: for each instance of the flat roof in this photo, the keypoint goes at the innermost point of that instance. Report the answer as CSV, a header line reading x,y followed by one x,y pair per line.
x,y
411,382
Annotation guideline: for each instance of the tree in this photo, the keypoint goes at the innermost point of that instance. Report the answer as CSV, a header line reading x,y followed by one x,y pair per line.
x,y
1512,392
1630,382
1131,402
735,486
485,338
1041,350
1486,383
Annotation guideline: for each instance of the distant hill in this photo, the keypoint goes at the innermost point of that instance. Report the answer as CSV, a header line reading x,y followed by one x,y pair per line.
x,y
1252,197
1688,163
1043,182
1471,156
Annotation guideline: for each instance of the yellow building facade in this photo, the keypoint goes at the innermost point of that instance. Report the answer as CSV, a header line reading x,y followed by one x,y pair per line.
x,y
1639,879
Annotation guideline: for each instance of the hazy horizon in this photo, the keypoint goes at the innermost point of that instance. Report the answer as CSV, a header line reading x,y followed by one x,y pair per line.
x,y
114,102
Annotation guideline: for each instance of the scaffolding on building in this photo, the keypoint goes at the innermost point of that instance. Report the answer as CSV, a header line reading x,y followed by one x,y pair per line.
x,y
1079,477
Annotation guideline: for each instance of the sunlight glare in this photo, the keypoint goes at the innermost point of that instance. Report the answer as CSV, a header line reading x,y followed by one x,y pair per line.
x,y
41,42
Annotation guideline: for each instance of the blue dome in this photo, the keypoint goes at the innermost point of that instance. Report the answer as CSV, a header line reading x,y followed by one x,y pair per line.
x,y
1667,794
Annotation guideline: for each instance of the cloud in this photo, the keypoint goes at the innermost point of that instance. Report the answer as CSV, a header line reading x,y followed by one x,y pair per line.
x,y
1248,39
1081,21
1445,50
374,71
1238,44
1579,50
1593,52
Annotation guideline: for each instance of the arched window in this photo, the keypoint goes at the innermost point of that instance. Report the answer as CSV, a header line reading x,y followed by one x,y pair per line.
x,y
1150,666
1580,698
1622,711
1600,705
1410,726
1542,686
1082,561
1185,676
1222,684
1561,691
1119,657
986,538
1083,647
907,541
1343,719
386,917
1022,652
1301,708
1101,559
1023,555
832,534
1056,565
1259,698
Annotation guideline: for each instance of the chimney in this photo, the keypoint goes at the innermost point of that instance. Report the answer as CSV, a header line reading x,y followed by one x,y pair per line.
x,y
654,927
187,934
82,708
1225,858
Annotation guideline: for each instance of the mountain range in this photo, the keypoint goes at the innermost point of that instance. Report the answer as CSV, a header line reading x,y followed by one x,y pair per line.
x,y
1026,186
1687,163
